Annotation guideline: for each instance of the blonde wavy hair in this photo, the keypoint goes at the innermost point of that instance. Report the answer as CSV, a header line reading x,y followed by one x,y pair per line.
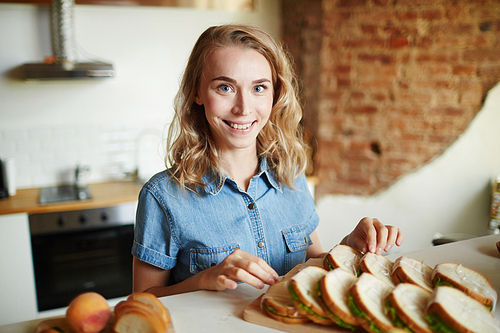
x,y
191,150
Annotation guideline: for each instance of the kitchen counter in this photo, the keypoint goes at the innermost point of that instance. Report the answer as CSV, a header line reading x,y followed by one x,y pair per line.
x,y
223,311
103,195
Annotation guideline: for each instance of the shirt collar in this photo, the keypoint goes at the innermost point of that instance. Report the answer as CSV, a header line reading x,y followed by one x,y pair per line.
x,y
214,182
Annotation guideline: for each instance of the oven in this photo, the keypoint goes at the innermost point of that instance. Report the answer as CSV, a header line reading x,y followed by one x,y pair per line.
x,y
81,251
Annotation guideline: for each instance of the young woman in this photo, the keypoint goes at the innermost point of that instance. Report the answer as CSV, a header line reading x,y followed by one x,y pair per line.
x,y
234,205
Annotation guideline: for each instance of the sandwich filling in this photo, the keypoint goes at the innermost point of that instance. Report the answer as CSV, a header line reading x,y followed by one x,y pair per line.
x,y
358,313
295,297
273,310
330,266
338,321
439,325
395,318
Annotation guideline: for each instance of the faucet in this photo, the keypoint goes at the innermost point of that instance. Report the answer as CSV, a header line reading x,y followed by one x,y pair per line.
x,y
81,175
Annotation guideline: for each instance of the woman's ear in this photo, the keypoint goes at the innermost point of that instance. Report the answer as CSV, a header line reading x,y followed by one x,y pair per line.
x,y
197,100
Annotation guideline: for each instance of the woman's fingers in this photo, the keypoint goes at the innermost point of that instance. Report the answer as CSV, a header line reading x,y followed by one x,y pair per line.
x,y
395,237
241,266
225,282
371,235
382,233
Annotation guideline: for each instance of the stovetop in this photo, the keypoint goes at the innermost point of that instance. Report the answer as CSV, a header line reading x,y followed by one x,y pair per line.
x,y
63,193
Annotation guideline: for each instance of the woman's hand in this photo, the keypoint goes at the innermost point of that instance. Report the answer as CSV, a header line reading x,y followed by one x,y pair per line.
x,y
239,266
370,235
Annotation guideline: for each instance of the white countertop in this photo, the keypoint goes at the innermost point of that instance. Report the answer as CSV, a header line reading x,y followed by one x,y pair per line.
x,y
211,311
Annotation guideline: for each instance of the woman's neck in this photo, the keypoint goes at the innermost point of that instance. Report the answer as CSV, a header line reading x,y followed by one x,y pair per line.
x,y
241,167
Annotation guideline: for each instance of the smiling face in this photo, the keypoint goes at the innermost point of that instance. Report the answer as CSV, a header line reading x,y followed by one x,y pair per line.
x,y
236,91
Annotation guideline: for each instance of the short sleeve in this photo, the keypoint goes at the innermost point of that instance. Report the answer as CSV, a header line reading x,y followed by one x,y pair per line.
x,y
153,241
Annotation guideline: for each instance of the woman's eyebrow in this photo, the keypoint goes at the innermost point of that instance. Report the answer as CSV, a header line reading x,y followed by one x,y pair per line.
x,y
228,79
224,78
263,80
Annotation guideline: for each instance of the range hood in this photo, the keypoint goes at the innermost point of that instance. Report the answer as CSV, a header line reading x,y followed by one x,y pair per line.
x,y
63,64
44,71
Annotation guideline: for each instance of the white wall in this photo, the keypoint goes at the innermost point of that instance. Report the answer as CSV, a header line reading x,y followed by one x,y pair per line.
x,y
48,127
450,195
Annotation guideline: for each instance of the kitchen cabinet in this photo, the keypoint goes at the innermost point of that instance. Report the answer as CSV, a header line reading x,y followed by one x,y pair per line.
x,y
17,282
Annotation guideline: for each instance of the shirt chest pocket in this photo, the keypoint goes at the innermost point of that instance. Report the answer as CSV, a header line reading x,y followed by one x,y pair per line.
x,y
296,242
201,259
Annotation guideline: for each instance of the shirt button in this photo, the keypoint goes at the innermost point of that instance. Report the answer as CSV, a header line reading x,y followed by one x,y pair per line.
x,y
251,206
260,244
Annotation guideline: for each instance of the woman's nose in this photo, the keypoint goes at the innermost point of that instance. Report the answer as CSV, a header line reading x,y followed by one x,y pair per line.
x,y
241,106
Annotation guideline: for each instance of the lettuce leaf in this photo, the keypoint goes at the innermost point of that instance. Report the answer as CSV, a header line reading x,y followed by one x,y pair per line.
x,y
338,321
271,309
439,325
358,313
395,318
438,282
302,305
330,266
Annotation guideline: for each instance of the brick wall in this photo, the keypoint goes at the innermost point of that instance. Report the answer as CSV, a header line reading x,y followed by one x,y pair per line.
x,y
389,85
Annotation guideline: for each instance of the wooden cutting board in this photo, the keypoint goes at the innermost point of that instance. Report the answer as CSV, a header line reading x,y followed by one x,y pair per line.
x,y
254,314
63,324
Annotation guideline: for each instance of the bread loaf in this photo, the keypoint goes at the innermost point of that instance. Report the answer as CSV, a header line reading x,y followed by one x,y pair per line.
x,y
141,312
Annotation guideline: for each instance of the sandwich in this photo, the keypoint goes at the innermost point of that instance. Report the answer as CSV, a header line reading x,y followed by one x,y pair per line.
x,y
406,270
141,312
277,304
333,291
367,301
467,280
302,288
449,310
378,266
406,305
343,256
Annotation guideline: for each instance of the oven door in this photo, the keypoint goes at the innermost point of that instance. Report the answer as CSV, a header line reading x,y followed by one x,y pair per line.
x,y
69,263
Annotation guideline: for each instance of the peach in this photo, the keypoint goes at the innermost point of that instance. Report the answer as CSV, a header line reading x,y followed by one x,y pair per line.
x,y
88,313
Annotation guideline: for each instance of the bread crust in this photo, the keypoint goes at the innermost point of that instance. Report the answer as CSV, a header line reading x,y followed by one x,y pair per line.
x,y
282,310
437,274
285,319
153,302
334,308
441,312
319,311
331,259
382,263
461,312
150,324
404,317
400,274
356,295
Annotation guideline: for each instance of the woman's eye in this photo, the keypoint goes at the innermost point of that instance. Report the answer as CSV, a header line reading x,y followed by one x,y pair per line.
x,y
260,88
224,88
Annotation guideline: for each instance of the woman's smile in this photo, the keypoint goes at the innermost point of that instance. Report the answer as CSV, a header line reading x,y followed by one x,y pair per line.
x,y
238,126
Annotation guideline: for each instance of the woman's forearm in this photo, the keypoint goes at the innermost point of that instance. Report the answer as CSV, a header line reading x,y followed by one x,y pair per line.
x,y
188,285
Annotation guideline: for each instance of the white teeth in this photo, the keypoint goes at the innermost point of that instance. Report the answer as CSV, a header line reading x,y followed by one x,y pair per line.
x,y
240,127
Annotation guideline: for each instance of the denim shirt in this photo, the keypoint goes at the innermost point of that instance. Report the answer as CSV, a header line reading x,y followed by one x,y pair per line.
x,y
187,233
